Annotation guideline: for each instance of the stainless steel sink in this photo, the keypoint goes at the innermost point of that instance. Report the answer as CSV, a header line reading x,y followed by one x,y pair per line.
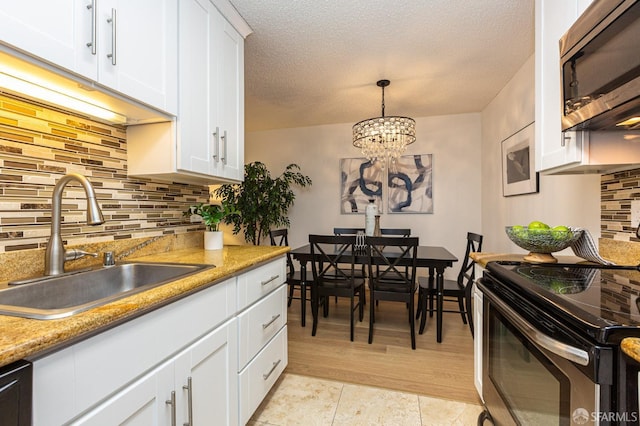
x,y
62,296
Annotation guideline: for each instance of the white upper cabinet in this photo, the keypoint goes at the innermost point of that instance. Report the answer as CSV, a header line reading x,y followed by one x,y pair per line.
x,y
137,50
553,18
123,45
197,142
230,103
211,93
205,145
52,30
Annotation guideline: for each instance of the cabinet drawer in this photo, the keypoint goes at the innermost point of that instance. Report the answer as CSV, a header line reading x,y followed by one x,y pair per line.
x,y
259,282
260,323
261,373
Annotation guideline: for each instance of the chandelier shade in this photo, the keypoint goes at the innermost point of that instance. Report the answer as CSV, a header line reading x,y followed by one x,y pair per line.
x,y
384,138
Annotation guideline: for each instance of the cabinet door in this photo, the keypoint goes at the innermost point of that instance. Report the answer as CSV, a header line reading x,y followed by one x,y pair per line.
x,y
137,50
230,102
553,19
56,31
209,368
142,403
196,47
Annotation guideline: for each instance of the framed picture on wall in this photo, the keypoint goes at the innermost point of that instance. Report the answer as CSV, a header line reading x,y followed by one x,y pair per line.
x,y
411,185
360,181
519,174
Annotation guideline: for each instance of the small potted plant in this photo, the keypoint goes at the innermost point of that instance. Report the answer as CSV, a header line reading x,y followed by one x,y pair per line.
x,y
211,215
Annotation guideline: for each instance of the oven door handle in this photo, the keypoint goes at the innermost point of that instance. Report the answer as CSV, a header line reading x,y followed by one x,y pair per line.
x,y
563,350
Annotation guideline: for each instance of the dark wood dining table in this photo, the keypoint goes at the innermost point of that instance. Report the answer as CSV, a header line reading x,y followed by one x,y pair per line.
x,y
435,258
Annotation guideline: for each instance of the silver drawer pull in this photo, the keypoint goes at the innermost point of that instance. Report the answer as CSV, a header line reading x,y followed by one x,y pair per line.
x,y
275,277
189,388
114,37
273,319
94,18
172,403
224,139
275,365
216,144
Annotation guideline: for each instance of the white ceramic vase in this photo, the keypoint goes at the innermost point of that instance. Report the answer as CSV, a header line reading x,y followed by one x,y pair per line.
x,y
213,240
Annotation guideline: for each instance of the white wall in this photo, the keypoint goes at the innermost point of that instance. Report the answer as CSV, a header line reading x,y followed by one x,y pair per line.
x,y
562,200
454,142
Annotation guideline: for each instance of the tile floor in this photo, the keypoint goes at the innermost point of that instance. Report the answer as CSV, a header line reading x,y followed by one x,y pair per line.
x,y
301,400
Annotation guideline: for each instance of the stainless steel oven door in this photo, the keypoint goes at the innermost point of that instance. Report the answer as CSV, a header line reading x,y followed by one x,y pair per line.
x,y
530,378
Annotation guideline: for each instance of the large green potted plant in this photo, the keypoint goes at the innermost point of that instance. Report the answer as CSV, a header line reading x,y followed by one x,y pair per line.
x,y
212,215
261,200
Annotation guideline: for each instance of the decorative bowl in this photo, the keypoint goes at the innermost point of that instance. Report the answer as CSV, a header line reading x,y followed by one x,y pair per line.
x,y
542,242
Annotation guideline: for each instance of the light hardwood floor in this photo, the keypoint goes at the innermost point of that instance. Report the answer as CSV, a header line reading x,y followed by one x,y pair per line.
x,y
442,370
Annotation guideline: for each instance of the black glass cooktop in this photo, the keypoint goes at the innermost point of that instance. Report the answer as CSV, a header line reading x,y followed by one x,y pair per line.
x,y
605,301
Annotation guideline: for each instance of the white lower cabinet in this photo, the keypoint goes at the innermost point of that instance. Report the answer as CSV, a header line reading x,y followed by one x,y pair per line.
x,y
262,346
198,386
213,356
260,375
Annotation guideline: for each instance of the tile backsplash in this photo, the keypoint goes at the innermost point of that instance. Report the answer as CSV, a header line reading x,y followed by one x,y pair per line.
x,y
39,144
617,190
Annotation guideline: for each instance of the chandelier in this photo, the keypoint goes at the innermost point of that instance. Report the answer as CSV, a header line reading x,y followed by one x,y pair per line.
x,y
384,138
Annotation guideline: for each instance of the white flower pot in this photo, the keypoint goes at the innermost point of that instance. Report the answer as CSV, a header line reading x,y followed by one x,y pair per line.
x,y
213,240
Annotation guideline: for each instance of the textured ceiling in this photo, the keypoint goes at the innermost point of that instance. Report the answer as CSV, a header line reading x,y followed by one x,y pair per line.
x,y
311,62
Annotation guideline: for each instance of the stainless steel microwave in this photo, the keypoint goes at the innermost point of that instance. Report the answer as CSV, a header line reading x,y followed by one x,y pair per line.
x,y
600,68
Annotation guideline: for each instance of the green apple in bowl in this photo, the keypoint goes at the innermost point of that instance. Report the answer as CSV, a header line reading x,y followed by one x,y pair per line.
x,y
541,240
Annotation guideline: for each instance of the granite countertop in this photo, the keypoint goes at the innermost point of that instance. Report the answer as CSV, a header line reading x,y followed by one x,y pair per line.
x,y
28,338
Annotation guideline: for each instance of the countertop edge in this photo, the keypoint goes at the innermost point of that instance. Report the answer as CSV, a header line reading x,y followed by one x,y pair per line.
x,y
23,338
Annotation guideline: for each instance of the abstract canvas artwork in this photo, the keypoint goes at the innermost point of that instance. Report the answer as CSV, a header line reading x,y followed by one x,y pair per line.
x,y
360,181
410,185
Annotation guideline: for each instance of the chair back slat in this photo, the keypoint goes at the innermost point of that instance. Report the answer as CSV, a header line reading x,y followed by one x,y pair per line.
x,y
405,232
330,253
347,231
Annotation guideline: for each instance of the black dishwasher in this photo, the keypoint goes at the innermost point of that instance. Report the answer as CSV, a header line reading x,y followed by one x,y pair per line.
x,y
15,394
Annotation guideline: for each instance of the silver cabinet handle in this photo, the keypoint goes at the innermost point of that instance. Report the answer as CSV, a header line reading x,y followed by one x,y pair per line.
x,y
216,144
273,367
114,39
189,388
172,403
275,277
271,321
563,350
94,19
224,142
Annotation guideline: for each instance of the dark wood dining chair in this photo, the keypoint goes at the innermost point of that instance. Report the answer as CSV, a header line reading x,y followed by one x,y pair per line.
x,y
351,231
280,237
330,254
457,290
392,271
